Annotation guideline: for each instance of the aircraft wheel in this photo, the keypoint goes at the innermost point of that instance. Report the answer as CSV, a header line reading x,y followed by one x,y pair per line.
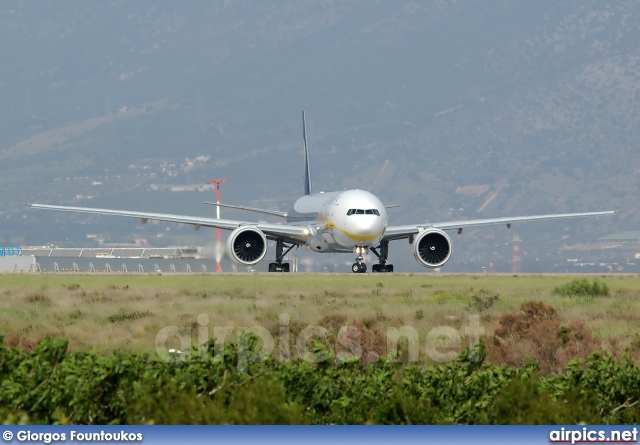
x,y
363,268
379,268
355,268
285,267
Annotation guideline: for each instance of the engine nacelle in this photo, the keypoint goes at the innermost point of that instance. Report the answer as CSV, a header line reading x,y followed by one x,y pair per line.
x,y
246,245
432,248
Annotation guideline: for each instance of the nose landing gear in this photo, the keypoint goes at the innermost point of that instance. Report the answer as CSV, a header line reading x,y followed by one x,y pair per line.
x,y
381,267
359,266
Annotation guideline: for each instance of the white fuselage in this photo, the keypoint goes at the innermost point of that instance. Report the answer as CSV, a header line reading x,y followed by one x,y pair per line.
x,y
340,221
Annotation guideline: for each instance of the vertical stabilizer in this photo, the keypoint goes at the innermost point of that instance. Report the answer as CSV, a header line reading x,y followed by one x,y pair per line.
x,y
305,152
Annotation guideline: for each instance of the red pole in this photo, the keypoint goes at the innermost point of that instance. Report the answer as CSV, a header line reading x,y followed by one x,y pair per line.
x,y
217,182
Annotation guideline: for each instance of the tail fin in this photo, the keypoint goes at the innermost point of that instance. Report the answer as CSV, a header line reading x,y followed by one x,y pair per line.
x,y
305,152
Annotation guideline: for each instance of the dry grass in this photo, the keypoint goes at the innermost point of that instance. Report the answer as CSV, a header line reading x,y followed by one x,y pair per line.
x,y
127,312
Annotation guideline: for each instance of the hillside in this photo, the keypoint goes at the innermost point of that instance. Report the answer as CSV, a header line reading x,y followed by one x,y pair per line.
x,y
136,105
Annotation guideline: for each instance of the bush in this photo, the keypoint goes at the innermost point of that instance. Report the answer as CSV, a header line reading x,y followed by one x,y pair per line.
x,y
482,301
341,340
536,333
527,402
50,385
252,402
582,288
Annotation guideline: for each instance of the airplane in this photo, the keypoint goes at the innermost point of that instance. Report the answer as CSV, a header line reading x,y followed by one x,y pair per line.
x,y
344,221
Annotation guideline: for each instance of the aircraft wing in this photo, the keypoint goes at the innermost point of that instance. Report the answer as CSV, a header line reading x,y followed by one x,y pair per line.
x,y
271,231
399,232
250,209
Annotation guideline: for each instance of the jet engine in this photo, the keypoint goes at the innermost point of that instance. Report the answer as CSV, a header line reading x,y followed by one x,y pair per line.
x,y
432,248
246,245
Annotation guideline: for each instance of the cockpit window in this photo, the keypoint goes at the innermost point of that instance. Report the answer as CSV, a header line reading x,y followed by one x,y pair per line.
x,y
363,212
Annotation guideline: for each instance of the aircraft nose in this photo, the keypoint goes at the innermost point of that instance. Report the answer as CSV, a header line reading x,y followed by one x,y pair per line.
x,y
368,224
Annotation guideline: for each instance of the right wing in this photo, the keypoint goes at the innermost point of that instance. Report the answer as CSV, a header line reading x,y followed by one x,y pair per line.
x,y
399,232
294,234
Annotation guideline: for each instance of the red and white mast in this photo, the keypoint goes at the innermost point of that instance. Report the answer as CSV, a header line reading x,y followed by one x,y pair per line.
x,y
219,248
516,260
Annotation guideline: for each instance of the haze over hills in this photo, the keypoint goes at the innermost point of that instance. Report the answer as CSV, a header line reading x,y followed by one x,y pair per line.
x,y
450,109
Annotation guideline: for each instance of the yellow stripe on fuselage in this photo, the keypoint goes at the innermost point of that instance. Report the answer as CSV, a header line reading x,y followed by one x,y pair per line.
x,y
332,226
360,237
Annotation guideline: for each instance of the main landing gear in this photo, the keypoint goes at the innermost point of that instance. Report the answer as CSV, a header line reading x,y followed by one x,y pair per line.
x,y
382,265
279,266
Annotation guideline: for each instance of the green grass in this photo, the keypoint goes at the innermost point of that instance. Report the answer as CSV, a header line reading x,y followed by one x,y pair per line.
x,y
127,311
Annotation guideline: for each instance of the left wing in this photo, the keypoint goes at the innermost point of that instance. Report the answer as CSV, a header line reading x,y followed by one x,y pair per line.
x,y
250,209
272,231
399,232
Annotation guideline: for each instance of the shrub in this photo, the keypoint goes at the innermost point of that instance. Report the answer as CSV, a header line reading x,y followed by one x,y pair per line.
x,y
252,402
482,301
363,339
38,298
524,401
131,316
537,333
582,288
51,385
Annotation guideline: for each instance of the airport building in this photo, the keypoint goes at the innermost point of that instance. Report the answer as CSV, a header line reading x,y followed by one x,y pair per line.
x,y
113,252
15,263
